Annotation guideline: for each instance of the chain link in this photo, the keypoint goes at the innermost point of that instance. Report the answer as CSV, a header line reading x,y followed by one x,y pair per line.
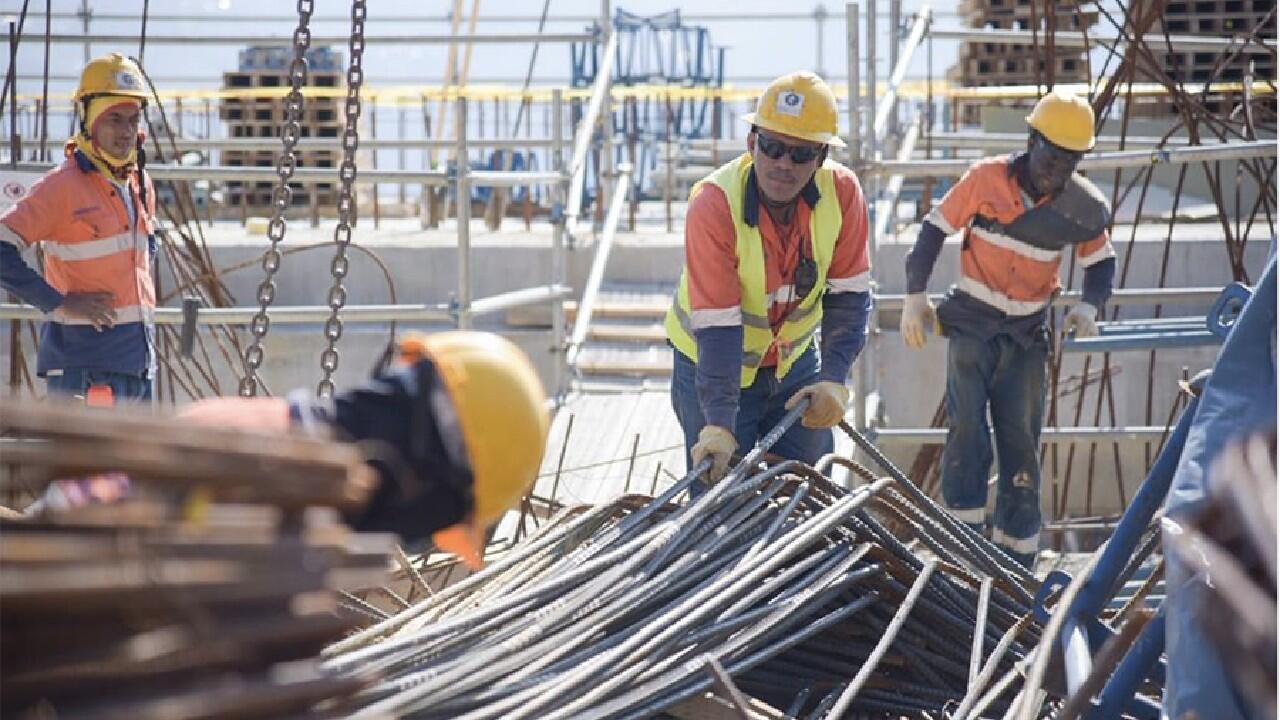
x,y
281,198
346,200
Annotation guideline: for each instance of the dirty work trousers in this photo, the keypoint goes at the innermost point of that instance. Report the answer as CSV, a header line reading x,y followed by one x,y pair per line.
x,y
760,407
1009,379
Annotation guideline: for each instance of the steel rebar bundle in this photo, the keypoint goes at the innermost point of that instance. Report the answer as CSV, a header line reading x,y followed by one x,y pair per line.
x,y
793,586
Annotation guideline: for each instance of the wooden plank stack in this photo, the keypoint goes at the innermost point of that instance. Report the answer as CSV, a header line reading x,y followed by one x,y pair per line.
x,y
1211,18
986,64
251,116
207,593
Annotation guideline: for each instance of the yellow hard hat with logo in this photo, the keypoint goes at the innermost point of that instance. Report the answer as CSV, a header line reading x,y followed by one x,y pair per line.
x,y
1064,119
801,105
112,74
502,410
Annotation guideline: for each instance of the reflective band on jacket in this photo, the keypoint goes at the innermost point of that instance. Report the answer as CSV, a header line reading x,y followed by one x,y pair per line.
x,y
796,332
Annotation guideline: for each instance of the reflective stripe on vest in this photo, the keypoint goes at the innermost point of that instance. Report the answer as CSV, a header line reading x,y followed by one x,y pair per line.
x,y
796,332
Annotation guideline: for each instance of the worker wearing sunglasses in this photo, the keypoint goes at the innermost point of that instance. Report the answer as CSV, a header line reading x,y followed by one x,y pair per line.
x,y
772,306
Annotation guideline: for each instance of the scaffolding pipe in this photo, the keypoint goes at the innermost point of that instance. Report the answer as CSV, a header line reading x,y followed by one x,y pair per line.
x,y
477,178
582,323
586,128
1078,40
1018,141
462,205
287,41
852,36
887,208
189,144
889,102
1120,296
1052,435
312,314
558,259
855,94
1098,161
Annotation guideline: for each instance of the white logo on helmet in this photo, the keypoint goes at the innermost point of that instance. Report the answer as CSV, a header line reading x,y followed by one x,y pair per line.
x,y
790,103
127,81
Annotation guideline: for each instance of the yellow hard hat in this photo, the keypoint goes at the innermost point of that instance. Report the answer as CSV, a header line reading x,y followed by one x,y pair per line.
x,y
112,74
1064,119
502,410
800,105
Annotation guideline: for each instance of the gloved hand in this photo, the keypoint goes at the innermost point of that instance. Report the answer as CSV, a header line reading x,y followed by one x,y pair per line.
x,y
94,306
718,444
1081,320
918,318
826,406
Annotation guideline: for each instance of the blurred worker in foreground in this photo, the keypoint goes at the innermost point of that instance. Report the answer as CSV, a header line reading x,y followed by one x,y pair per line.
x,y
775,248
455,429
1018,214
95,216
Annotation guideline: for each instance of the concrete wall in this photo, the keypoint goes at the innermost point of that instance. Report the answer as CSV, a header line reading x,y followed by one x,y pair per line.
x,y
911,383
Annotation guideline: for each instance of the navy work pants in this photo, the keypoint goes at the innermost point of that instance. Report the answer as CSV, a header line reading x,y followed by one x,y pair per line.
x,y
760,407
1008,378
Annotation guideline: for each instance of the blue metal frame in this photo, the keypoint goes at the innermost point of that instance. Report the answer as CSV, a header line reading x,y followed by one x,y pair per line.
x,y
659,49
1084,634
1164,333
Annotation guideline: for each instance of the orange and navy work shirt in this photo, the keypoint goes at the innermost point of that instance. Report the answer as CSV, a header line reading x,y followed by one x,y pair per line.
x,y
711,256
90,244
1014,277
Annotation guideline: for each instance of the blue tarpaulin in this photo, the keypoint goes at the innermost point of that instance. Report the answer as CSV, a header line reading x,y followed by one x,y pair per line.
x,y
1239,397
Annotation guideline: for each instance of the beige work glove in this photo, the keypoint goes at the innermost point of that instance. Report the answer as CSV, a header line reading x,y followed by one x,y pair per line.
x,y
826,405
1081,319
918,318
718,444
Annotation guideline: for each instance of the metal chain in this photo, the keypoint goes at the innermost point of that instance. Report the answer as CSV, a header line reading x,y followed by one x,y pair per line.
x,y
346,200
281,198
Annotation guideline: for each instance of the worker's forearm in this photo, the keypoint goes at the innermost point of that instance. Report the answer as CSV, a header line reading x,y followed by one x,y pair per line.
x,y
922,257
718,375
19,278
844,332
1098,280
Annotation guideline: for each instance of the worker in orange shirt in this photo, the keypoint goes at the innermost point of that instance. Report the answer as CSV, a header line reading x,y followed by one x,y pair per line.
x,y
1018,214
455,428
95,216
773,303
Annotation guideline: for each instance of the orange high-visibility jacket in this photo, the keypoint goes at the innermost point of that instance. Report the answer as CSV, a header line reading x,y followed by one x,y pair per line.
x,y
89,245
1010,275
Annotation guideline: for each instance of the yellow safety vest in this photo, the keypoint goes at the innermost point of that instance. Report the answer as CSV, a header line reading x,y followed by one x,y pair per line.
x,y
796,332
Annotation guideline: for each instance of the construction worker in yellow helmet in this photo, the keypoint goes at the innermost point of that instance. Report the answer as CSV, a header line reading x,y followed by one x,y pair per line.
x,y
94,215
775,257
454,425
1018,215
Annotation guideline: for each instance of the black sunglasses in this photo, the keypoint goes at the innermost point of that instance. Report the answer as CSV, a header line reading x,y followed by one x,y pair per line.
x,y
774,149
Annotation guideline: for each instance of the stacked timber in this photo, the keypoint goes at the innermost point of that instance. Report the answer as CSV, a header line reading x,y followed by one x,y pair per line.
x,y
261,111
1250,21
992,64
207,591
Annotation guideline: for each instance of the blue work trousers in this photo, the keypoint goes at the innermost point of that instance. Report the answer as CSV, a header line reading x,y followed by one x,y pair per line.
x,y
126,389
760,407
1008,378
